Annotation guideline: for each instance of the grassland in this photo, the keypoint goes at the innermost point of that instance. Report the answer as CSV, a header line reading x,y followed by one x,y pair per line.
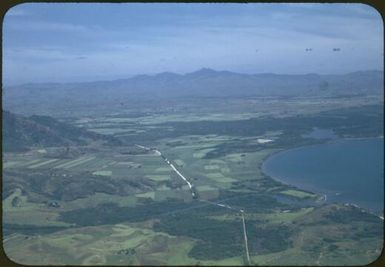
x,y
117,244
298,194
125,206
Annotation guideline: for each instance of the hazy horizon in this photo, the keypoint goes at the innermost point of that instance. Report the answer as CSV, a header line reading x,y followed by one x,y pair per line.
x,y
127,77
152,134
93,42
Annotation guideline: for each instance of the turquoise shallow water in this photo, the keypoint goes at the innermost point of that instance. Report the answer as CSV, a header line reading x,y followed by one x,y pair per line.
x,y
347,170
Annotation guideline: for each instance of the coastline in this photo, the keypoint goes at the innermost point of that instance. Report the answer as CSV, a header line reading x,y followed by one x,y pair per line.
x,y
320,194
327,141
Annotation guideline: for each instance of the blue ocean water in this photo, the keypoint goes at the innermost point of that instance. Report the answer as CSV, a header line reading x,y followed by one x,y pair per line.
x,y
346,170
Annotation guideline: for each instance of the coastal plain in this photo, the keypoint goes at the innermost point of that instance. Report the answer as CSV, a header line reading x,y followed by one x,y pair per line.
x,y
94,204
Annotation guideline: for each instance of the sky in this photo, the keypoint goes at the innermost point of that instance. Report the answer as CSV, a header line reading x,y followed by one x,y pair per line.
x,y
62,42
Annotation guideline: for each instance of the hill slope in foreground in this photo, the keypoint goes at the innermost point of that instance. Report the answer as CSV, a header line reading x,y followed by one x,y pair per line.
x,y
20,133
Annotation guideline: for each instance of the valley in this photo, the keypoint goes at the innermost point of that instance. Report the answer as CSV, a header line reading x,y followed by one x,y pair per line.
x,y
192,134
114,198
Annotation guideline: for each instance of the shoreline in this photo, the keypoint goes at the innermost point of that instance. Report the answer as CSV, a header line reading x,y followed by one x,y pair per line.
x,y
329,141
319,194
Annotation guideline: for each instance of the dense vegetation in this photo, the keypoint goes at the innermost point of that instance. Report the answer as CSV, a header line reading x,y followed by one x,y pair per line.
x,y
110,213
66,186
143,198
218,239
20,133
222,239
253,202
346,216
30,229
348,122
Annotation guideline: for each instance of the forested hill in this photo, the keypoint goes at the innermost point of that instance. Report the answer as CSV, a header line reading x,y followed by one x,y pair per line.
x,y
21,133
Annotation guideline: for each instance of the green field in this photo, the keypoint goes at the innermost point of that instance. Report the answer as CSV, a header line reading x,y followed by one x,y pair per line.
x,y
298,194
122,205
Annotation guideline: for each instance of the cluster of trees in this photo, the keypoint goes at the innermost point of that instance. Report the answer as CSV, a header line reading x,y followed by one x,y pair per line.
x,y
30,229
355,122
20,133
252,202
352,214
223,239
268,239
111,213
51,184
218,239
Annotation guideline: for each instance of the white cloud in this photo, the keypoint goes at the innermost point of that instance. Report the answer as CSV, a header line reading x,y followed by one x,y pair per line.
x,y
184,43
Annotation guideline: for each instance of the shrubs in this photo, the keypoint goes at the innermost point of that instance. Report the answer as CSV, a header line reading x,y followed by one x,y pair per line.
x,y
218,239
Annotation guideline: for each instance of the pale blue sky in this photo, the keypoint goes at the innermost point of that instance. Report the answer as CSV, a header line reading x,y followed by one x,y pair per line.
x,y
83,42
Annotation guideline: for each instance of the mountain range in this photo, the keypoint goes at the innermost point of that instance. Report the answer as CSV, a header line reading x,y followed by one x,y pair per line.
x,y
202,83
222,83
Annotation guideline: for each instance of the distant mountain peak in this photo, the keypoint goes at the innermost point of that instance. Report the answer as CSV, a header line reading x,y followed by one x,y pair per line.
x,y
167,74
202,71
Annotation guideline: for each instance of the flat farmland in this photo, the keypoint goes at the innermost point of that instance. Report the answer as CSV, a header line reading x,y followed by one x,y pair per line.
x,y
124,205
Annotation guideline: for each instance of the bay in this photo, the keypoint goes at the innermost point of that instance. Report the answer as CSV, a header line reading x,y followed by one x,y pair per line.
x,y
345,170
